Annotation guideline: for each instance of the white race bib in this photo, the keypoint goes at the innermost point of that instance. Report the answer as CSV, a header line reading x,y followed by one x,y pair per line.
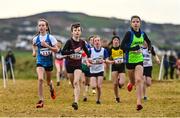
x,y
45,52
59,56
76,56
118,60
97,61
96,68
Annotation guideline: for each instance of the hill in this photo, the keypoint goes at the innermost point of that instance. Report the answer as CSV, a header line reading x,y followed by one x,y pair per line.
x,y
13,29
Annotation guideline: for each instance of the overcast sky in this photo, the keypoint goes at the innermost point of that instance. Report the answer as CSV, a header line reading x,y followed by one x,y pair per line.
x,y
156,11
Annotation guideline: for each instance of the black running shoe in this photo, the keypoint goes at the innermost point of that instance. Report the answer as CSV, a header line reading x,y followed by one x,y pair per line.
x,y
58,83
98,102
85,99
117,100
145,98
75,105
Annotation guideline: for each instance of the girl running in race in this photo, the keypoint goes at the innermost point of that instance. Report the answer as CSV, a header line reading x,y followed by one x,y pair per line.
x,y
90,45
131,45
73,49
105,45
147,64
85,70
98,55
85,76
59,63
118,67
45,44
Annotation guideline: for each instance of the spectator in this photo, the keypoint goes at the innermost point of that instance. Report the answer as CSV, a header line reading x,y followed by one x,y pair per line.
x,y
166,66
178,67
172,65
10,59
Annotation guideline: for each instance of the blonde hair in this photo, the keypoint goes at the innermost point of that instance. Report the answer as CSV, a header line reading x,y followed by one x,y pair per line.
x,y
96,36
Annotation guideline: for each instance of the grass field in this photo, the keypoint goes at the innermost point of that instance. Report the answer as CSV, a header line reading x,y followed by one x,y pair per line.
x,y
19,100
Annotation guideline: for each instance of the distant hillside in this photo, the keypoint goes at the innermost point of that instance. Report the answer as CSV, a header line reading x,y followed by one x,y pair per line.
x,y
162,35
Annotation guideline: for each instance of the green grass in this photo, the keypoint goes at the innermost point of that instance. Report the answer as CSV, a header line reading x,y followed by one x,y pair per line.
x,y
25,66
19,100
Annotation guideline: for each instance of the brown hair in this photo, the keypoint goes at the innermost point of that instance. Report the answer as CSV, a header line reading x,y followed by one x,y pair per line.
x,y
47,24
135,16
75,25
92,36
115,36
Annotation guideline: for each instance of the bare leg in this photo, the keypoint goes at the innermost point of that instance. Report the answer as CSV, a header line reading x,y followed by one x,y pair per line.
x,y
115,83
58,71
139,79
83,84
121,79
40,71
71,78
99,87
77,76
131,76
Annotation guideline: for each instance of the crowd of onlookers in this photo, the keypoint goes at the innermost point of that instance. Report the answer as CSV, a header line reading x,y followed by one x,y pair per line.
x,y
171,66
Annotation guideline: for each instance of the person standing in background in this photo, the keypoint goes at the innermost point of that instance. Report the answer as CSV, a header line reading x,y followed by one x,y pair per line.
x,y
166,67
172,65
178,67
10,60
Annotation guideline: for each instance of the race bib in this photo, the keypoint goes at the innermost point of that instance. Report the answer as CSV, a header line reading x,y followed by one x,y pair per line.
x,y
118,60
97,61
59,56
45,52
76,56
145,63
84,60
96,68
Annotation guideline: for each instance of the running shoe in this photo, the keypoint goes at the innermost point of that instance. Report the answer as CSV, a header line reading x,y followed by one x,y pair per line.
x,y
118,100
58,83
139,107
52,91
145,98
129,87
75,105
85,99
40,104
98,102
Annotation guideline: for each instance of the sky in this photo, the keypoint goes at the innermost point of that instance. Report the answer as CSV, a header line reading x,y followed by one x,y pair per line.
x,y
154,11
